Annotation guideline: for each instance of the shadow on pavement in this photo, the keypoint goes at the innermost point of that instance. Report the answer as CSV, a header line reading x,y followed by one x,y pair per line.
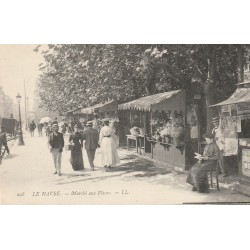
x,y
145,169
10,156
75,175
148,169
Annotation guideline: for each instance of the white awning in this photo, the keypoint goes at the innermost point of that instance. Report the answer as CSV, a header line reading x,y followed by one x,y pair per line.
x,y
239,96
148,103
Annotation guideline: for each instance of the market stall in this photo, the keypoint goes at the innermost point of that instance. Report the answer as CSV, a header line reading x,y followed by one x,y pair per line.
x,y
169,126
109,109
102,110
235,122
72,116
79,115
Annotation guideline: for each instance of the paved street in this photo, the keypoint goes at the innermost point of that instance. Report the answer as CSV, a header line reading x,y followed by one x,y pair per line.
x,y
27,178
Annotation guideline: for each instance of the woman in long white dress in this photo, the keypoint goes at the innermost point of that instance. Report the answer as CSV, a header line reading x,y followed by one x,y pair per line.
x,y
108,146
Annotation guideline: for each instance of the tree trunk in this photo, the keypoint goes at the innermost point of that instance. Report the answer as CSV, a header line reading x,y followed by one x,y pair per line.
x,y
209,86
240,67
150,81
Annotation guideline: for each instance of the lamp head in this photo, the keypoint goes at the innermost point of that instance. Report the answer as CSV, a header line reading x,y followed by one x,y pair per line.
x,y
18,98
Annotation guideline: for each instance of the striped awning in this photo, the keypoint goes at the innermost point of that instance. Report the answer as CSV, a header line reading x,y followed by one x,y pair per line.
x,y
92,109
147,103
240,95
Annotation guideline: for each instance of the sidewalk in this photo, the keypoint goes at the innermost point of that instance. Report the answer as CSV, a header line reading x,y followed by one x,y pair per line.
x,y
227,182
29,171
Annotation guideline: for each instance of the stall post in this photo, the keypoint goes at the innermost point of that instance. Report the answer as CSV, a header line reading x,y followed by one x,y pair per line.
x,y
151,131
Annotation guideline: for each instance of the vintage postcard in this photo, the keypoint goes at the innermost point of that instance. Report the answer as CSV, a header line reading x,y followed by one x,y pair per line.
x,y
124,124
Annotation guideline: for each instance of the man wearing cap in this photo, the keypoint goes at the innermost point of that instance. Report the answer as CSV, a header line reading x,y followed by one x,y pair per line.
x,y
219,139
56,144
91,137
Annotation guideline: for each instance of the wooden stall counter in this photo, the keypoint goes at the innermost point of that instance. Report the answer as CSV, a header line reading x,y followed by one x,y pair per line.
x,y
137,138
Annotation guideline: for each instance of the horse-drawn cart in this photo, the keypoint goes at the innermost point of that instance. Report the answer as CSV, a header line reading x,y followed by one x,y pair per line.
x,y
9,126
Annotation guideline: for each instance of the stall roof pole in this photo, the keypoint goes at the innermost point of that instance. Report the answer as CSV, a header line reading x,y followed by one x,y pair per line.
x,y
151,118
130,118
144,123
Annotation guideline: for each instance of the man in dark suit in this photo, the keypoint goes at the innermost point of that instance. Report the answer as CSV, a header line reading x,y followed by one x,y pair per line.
x,y
56,144
91,137
32,127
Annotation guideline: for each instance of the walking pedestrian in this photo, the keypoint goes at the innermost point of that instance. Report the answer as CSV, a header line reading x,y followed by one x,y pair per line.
x,y
90,135
76,159
108,147
40,129
48,128
32,127
56,144
70,129
64,126
219,139
95,121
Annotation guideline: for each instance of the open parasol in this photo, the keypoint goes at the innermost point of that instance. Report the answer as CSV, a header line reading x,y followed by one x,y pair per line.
x,y
45,119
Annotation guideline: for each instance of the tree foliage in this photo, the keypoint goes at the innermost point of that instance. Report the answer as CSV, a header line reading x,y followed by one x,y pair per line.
x,y
7,106
83,75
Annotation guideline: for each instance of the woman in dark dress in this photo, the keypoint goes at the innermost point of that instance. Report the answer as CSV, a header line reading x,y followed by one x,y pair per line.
x,y
197,175
76,153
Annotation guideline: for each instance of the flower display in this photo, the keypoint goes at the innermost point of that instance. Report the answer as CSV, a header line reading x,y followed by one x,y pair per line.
x,y
168,129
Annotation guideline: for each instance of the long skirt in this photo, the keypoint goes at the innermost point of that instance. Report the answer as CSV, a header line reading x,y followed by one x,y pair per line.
x,y
197,175
109,152
76,159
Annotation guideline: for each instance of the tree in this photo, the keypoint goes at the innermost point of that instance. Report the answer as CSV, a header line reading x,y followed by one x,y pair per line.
x,y
84,75
7,106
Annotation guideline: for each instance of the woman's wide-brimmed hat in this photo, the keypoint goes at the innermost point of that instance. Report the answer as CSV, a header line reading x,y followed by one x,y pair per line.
x,y
76,126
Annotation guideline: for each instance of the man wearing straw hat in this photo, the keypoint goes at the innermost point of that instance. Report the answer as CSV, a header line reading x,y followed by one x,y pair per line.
x,y
219,138
56,144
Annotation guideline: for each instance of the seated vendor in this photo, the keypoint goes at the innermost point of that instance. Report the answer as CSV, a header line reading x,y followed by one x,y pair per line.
x,y
135,131
197,175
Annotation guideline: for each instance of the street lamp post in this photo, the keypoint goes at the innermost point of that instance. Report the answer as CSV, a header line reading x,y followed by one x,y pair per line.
x,y
20,133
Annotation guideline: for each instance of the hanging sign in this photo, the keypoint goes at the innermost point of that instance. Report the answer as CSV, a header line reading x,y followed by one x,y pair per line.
x,y
231,146
226,110
243,108
230,126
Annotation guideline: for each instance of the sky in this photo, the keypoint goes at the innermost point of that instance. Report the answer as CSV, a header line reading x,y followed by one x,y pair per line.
x,y
19,64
